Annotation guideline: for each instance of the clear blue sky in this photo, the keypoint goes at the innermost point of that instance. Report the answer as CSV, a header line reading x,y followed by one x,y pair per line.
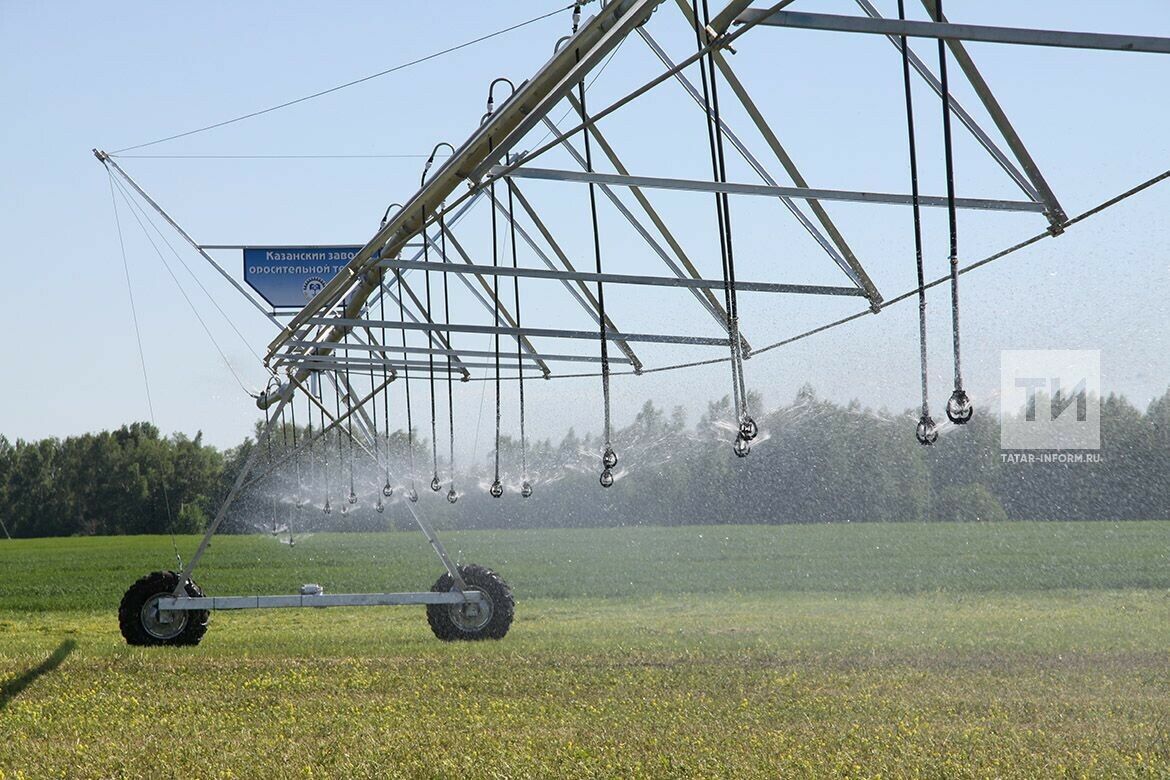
x,y
74,76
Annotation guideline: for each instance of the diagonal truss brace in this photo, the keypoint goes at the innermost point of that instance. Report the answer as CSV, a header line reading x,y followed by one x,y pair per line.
x,y
837,249
584,295
705,298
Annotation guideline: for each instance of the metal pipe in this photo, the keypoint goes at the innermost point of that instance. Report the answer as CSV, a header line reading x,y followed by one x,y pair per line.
x,y
469,353
654,281
735,188
956,32
536,332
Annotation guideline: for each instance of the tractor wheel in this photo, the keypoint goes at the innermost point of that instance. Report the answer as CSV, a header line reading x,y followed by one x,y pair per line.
x,y
142,622
489,619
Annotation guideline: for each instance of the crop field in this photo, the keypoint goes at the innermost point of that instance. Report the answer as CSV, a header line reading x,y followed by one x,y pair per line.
x,y
1016,650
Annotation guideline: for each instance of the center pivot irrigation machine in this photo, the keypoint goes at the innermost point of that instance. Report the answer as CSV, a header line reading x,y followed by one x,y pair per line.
x,y
344,336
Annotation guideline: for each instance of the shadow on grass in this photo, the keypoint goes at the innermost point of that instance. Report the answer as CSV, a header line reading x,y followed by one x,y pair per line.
x,y
11,688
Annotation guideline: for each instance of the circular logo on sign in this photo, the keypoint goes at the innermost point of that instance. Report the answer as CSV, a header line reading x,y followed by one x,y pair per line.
x,y
312,286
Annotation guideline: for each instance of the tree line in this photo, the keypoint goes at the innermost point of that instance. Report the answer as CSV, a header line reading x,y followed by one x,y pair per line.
x,y
815,461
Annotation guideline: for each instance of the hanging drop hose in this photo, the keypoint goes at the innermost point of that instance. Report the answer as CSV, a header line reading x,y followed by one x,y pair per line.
x,y
609,458
926,431
387,488
959,407
298,498
378,505
268,420
497,488
340,441
309,433
525,485
747,429
283,454
324,444
412,494
349,417
452,495
435,485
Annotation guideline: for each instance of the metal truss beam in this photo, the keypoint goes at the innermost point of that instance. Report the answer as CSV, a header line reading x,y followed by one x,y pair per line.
x,y
583,295
959,112
363,365
503,310
956,32
1056,214
705,298
470,353
692,185
587,335
491,140
652,281
837,249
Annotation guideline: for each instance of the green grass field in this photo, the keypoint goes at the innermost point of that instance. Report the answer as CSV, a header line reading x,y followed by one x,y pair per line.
x,y
1015,650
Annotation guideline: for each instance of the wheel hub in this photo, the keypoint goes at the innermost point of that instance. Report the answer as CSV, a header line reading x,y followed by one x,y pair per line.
x,y
471,616
162,623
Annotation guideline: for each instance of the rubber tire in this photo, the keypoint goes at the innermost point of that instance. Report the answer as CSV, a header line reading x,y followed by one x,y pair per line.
x,y
477,578
154,584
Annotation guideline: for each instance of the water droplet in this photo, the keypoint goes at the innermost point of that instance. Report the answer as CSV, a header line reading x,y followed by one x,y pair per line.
x,y
959,408
496,489
452,496
741,448
609,459
606,478
387,490
748,428
352,496
435,485
380,506
345,509
412,494
526,489
926,431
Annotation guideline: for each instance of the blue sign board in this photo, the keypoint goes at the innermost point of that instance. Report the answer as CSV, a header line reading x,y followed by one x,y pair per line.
x,y
291,276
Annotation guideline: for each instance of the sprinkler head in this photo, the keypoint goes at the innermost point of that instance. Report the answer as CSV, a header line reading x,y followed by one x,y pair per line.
x,y
609,458
435,484
380,506
496,489
345,509
526,489
387,490
452,496
606,478
926,431
959,408
352,497
327,509
741,448
412,494
748,429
